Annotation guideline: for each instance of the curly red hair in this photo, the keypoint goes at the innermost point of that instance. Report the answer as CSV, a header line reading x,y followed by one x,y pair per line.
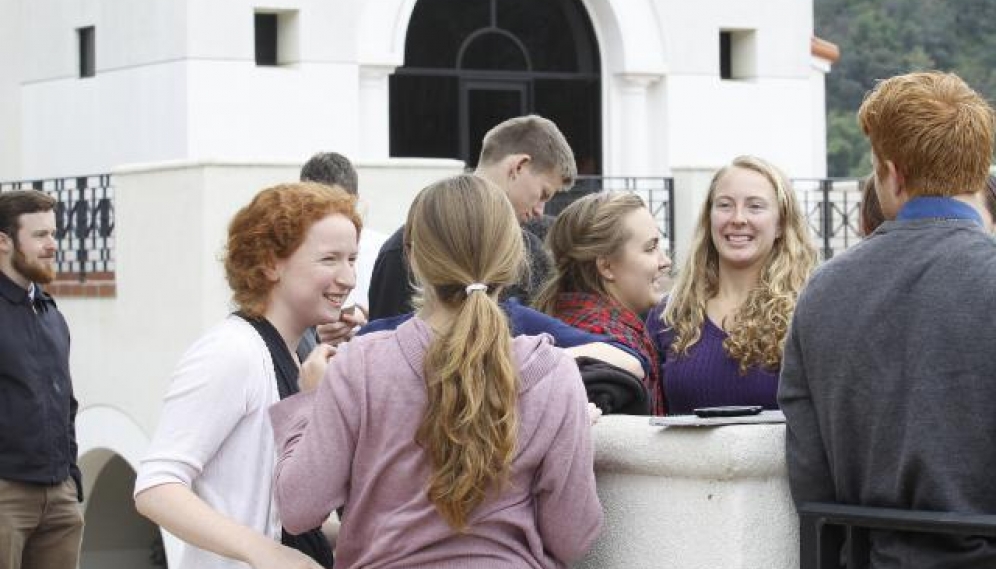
x,y
272,227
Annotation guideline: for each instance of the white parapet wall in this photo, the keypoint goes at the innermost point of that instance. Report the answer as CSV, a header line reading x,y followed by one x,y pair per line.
x,y
692,498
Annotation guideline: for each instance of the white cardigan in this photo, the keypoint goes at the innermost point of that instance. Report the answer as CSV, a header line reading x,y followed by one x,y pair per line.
x,y
214,433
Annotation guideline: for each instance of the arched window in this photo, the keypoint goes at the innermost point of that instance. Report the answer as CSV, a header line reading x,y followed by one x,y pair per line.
x,y
470,64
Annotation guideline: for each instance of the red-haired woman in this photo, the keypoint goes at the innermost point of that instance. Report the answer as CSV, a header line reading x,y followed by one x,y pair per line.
x,y
208,475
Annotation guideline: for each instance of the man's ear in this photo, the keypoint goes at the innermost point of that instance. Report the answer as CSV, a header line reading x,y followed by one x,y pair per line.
x,y
6,243
604,267
517,163
896,174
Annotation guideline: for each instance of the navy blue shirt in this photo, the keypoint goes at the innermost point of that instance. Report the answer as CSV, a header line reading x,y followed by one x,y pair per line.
x,y
523,320
37,406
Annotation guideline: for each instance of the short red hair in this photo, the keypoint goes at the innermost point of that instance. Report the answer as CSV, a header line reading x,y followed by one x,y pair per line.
x,y
271,228
934,128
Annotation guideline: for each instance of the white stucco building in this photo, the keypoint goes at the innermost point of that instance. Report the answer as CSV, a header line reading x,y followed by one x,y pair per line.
x,y
176,80
195,105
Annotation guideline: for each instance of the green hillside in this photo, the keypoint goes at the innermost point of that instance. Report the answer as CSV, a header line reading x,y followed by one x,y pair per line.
x,y
881,38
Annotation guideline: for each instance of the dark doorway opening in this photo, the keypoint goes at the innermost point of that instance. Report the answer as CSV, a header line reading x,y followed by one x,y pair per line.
x,y
470,64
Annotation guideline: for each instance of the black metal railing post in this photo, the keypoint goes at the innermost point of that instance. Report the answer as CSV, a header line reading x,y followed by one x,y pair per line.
x,y
82,226
669,185
827,208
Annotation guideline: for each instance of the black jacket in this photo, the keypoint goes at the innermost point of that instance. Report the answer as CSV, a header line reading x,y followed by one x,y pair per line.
x,y
390,284
37,406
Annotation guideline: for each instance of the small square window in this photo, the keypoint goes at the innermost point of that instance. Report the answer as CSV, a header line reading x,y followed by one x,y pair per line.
x,y
266,39
276,37
87,52
724,56
737,54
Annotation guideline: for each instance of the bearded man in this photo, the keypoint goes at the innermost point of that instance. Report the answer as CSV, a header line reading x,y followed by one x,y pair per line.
x,y
41,524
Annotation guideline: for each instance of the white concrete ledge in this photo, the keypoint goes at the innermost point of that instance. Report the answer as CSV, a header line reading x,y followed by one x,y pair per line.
x,y
713,497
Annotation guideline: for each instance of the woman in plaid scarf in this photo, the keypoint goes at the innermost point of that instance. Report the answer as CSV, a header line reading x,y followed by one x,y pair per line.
x,y
609,269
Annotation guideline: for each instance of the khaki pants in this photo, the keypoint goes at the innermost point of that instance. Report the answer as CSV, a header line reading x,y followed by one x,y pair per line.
x,y
40,526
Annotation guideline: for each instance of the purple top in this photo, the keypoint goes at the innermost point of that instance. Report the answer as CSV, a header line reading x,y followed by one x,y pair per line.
x,y
708,377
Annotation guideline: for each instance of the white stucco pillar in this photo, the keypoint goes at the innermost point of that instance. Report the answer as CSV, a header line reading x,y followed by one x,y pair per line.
x,y
691,188
635,122
374,102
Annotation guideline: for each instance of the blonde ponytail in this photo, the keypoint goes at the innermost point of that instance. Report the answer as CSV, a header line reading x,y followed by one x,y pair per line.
x,y
462,231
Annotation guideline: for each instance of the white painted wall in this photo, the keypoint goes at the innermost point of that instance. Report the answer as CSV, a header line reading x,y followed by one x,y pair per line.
x,y
769,118
11,49
178,81
134,109
818,114
710,121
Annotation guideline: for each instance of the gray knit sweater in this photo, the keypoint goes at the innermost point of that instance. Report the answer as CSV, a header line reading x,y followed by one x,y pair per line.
x,y
889,384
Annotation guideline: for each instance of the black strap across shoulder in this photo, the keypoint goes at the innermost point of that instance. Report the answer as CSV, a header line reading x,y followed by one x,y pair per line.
x,y
312,543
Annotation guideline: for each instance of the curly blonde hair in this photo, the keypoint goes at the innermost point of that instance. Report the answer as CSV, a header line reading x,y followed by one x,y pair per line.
x,y
757,334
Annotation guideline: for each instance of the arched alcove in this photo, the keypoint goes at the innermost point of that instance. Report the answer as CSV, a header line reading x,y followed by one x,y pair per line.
x,y
111,444
116,535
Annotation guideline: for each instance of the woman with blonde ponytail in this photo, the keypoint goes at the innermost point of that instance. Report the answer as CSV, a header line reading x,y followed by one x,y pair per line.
x,y
449,442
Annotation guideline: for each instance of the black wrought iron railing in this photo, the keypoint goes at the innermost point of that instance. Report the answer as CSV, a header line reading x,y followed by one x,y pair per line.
x,y
832,207
84,217
836,536
656,192
85,213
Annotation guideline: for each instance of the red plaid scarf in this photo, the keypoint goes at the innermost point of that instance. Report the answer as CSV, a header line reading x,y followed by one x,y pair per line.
x,y
601,315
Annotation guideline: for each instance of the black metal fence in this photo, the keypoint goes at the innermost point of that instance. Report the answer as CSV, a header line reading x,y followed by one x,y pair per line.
x,y
832,207
656,192
835,536
85,213
84,217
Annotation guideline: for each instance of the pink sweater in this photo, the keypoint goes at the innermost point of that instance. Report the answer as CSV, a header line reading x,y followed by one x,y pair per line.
x,y
352,442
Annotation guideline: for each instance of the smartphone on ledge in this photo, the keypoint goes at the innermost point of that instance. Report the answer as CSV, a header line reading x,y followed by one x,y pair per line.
x,y
728,411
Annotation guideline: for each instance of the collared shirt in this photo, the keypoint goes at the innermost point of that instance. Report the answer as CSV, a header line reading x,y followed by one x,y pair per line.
x,y
935,207
37,406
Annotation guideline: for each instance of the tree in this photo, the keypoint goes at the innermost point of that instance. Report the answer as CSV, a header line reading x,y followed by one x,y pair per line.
x,y
882,38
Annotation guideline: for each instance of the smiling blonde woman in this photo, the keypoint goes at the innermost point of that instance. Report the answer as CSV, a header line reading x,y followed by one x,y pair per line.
x,y
721,332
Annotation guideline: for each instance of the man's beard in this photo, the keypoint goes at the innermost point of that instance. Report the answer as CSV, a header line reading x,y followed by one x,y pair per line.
x,y
36,272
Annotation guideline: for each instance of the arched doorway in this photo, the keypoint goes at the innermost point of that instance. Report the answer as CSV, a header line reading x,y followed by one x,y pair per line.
x,y
470,64
115,534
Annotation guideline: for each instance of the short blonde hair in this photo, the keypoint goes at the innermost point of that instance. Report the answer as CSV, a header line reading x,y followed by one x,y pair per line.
x,y
536,136
934,128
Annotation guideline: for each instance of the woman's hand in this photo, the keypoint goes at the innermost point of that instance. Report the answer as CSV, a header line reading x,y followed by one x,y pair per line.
x,y
341,331
313,368
594,413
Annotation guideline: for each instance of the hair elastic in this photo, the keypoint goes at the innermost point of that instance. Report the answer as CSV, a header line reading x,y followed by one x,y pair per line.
x,y
476,286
